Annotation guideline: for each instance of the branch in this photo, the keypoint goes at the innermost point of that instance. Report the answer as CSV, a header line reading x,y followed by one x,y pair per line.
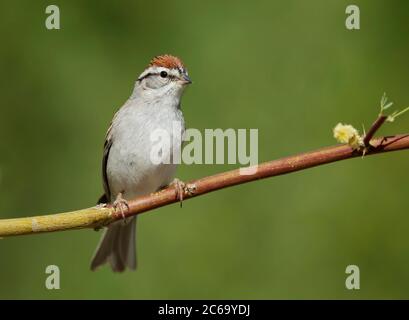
x,y
97,217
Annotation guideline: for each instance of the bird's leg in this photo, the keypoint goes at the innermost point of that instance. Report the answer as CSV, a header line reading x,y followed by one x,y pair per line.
x,y
182,189
121,204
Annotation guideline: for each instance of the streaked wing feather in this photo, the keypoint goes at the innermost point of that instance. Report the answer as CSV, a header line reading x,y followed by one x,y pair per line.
x,y
107,148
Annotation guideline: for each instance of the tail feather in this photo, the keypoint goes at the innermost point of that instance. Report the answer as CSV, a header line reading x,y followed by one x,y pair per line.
x,y
117,246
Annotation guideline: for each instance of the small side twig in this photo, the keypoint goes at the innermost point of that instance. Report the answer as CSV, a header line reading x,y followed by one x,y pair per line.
x,y
374,128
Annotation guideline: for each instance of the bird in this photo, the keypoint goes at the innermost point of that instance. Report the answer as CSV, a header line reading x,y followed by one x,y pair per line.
x,y
127,168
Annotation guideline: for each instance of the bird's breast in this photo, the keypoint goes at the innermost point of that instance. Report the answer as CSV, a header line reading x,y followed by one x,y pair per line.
x,y
138,136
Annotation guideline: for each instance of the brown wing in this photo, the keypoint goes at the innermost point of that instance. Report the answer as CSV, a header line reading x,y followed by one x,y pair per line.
x,y
105,198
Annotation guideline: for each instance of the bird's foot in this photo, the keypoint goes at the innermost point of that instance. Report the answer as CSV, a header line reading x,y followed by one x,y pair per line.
x,y
182,189
121,204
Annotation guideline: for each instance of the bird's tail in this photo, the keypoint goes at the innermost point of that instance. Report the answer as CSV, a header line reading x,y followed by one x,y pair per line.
x,y
117,246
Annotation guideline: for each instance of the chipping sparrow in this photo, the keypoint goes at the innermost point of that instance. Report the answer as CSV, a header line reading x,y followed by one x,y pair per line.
x,y
127,168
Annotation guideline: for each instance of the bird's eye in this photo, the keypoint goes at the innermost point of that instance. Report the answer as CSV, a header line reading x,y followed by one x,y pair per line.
x,y
163,74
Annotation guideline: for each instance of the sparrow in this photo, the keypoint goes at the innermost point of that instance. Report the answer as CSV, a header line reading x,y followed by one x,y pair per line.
x,y
127,168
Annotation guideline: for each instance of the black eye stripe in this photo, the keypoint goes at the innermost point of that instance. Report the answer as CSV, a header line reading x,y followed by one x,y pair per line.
x,y
145,76
170,76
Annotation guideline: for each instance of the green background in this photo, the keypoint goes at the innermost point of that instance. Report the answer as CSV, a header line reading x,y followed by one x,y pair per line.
x,y
288,68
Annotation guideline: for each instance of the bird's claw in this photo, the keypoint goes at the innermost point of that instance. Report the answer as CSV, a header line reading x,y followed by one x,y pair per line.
x,y
182,189
121,204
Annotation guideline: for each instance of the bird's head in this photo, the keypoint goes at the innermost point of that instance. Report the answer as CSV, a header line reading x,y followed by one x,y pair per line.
x,y
165,75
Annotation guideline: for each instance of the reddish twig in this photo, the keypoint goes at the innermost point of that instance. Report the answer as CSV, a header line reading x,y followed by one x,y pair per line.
x,y
266,170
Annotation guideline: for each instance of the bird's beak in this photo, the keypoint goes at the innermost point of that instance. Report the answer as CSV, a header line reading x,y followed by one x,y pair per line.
x,y
184,79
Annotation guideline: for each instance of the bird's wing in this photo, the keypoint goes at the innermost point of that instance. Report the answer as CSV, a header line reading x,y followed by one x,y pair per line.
x,y
105,198
107,147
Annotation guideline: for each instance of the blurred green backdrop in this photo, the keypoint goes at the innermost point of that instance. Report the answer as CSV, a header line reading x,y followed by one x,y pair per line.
x,y
289,68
